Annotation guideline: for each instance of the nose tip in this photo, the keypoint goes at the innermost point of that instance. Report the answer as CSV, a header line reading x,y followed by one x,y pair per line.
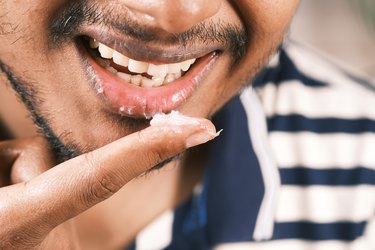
x,y
176,16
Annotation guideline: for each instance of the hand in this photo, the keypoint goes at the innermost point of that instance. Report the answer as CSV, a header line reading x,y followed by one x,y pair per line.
x,y
38,201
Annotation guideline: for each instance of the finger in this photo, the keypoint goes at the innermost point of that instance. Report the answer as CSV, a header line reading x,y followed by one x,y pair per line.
x,y
76,185
8,156
23,159
35,157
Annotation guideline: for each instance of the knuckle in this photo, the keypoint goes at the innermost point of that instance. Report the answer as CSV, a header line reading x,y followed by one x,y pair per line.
x,y
158,155
100,189
102,183
105,186
161,149
164,151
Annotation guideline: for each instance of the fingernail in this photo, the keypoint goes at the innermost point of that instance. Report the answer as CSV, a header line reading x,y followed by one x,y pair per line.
x,y
199,138
178,122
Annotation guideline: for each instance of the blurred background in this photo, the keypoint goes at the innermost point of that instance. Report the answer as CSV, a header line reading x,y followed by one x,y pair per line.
x,y
343,30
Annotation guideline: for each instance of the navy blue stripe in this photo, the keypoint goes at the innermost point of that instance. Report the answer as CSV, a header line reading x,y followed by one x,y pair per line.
x,y
344,231
234,181
132,246
332,177
299,123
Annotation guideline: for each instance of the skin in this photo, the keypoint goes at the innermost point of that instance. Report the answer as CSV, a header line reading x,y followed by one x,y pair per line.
x,y
105,141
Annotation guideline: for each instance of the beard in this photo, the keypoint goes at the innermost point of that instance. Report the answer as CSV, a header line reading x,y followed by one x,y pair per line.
x,y
63,30
62,151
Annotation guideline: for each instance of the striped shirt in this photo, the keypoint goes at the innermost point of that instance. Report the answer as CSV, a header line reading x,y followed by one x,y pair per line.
x,y
294,168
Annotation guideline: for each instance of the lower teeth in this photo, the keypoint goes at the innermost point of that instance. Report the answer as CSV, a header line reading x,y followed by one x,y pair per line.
x,y
139,80
144,81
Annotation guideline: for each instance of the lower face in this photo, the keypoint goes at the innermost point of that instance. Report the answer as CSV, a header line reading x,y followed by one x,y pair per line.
x,y
93,80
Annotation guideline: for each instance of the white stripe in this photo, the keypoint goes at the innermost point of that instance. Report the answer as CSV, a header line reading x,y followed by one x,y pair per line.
x,y
274,61
292,97
156,235
323,204
370,232
271,177
359,244
321,151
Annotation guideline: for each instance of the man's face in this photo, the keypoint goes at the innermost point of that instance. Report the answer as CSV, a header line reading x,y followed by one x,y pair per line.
x,y
191,56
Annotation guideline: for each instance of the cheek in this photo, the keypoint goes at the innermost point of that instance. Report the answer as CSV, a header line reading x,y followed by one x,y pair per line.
x,y
266,22
267,17
23,29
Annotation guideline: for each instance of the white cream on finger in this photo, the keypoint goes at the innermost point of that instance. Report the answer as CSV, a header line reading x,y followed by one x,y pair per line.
x,y
175,118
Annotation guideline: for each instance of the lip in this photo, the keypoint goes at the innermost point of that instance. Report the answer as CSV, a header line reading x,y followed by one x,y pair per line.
x,y
129,100
151,52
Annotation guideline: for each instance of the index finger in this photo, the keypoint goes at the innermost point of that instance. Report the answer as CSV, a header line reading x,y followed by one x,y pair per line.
x,y
78,184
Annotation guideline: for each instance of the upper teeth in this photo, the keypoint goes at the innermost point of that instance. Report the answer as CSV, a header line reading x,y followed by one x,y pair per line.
x,y
163,73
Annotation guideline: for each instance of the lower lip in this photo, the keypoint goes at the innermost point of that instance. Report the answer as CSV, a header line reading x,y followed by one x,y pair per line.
x,y
130,100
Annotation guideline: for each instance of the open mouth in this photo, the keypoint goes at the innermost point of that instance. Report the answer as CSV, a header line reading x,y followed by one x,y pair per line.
x,y
137,72
141,89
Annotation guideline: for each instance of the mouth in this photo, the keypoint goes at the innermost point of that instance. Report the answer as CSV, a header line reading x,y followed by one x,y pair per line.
x,y
138,86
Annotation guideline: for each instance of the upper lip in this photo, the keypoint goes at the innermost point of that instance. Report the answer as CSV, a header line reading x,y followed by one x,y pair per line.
x,y
147,51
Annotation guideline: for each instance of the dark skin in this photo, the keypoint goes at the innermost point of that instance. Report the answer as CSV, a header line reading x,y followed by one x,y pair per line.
x,y
28,164
95,201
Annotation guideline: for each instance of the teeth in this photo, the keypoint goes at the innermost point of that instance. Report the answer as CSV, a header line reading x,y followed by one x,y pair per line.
x,y
105,51
186,65
158,81
157,70
147,83
103,62
137,66
124,76
170,78
160,74
137,79
111,69
174,67
177,75
120,59
144,81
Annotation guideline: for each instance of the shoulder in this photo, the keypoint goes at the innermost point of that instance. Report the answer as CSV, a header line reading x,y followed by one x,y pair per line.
x,y
300,81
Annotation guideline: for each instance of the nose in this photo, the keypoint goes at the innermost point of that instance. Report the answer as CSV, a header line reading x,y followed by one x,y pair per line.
x,y
175,16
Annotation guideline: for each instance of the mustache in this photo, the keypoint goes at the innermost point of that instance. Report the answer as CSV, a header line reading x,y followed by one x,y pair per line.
x,y
67,22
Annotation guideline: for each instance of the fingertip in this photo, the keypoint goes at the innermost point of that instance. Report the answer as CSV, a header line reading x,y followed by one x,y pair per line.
x,y
194,131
